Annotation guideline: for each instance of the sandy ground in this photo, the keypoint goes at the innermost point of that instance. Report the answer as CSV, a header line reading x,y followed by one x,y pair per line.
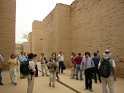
x,y
41,85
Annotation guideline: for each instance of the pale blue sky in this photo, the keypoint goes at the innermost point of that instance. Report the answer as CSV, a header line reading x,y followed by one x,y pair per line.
x,y
29,10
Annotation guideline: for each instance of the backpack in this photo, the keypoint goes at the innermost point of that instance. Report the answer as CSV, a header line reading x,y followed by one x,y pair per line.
x,y
105,68
45,60
24,69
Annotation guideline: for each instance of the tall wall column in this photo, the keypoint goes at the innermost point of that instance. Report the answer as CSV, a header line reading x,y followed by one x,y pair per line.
x,y
7,27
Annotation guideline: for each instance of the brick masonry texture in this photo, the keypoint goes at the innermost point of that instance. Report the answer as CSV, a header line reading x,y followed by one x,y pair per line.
x,y
56,32
18,48
99,24
85,25
36,37
30,42
25,46
7,27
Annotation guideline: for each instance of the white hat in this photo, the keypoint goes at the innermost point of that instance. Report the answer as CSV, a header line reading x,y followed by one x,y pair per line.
x,y
107,50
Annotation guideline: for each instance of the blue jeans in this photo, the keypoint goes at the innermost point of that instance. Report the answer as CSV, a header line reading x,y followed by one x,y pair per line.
x,y
78,69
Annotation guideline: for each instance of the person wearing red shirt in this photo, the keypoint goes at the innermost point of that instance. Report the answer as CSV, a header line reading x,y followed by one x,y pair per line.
x,y
78,61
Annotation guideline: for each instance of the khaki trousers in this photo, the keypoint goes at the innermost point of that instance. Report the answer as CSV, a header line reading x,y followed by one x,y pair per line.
x,y
52,78
44,67
72,71
108,81
13,75
30,83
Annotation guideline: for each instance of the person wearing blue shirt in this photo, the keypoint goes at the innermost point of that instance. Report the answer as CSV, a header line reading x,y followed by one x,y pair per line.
x,y
96,60
22,58
88,68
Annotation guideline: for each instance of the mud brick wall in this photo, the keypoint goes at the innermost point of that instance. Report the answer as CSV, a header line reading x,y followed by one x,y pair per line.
x,y
7,27
36,38
56,32
97,25
85,25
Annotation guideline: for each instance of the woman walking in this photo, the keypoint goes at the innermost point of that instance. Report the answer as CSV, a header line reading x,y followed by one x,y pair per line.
x,y
52,65
12,68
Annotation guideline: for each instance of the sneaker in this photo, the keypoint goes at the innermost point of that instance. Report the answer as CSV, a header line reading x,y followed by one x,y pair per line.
x,y
22,77
47,75
81,79
1,83
53,86
72,78
76,78
12,82
15,84
90,90
86,89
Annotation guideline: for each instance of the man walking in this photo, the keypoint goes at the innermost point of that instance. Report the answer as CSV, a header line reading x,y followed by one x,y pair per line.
x,y
43,64
1,65
78,61
61,61
110,77
88,65
72,65
96,60
30,77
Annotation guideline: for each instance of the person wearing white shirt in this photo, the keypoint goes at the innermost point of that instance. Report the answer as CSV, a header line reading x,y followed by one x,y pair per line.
x,y
109,80
61,62
30,77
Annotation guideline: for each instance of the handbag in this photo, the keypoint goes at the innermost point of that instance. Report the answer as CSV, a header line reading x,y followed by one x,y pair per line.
x,y
64,66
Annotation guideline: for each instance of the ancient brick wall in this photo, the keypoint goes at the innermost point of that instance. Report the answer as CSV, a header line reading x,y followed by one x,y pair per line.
x,y
18,48
63,33
7,27
49,34
36,37
85,25
56,32
30,42
25,46
97,25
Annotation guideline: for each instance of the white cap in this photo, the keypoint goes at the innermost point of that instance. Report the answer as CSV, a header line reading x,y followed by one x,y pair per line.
x,y
107,50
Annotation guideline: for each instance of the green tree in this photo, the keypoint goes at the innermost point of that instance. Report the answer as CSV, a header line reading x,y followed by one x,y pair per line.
x,y
25,36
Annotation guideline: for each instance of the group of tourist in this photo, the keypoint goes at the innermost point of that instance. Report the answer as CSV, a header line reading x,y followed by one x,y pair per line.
x,y
55,64
92,67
